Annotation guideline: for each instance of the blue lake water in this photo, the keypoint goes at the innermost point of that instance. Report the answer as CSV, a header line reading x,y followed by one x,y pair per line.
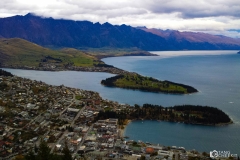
x,y
216,74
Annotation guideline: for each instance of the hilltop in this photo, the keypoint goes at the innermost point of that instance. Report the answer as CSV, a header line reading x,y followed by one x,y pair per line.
x,y
17,52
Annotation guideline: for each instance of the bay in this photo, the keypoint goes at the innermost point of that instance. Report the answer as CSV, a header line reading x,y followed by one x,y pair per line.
x,y
214,73
200,138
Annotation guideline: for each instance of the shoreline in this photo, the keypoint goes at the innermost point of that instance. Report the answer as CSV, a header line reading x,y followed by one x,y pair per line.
x,y
100,57
122,131
218,124
105,68
201,124
124,127
112,70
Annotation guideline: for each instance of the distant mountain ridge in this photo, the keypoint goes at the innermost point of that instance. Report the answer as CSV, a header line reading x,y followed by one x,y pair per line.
x,y
69,33
192,36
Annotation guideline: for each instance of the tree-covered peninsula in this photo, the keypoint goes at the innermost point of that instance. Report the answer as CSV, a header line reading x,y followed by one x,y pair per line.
x,y
5,73
189,114
136,81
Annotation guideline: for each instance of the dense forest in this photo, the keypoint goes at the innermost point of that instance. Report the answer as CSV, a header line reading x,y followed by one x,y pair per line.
x,y
136,81
183,113
5,73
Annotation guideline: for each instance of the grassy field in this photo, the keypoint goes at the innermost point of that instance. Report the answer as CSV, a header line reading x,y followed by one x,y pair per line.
x,y
79,58
114,52
20,52
135,81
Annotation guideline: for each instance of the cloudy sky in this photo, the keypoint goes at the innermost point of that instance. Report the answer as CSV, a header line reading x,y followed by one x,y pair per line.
x,y
211,16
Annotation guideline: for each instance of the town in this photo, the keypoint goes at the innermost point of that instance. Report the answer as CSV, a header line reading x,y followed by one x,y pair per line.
x,y
32,111
55,67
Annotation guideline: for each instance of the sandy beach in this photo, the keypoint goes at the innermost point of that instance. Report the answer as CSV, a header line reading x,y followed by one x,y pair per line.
x,y
124,126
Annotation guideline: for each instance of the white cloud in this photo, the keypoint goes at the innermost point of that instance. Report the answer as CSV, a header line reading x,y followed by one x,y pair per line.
x,y
201,15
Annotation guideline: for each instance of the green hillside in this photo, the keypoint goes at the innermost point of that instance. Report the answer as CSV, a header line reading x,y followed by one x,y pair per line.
x,y
116,52
19,52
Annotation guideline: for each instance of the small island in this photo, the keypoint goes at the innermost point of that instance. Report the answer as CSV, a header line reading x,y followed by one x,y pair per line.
x,y
136,81
189,114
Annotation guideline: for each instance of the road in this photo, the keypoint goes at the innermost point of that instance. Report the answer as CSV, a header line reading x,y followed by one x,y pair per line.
x,y
69,104
66,131
83,139
176,155
76,117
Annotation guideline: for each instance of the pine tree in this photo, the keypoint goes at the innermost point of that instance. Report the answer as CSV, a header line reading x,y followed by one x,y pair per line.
x,y
44,151
30,156
66,152
35,148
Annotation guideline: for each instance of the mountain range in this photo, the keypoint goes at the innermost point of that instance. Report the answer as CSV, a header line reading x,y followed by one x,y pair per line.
x,y
184,38
51,32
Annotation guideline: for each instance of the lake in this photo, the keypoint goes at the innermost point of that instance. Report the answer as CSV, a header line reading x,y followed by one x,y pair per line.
x,y
216,74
